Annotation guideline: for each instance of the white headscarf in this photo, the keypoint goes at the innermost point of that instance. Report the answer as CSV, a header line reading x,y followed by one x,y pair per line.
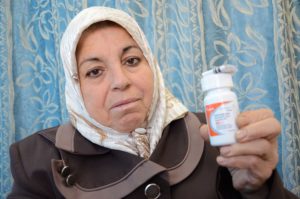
x,y
164,109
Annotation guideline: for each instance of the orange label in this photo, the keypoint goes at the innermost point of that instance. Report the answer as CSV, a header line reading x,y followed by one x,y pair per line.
x,y
210,110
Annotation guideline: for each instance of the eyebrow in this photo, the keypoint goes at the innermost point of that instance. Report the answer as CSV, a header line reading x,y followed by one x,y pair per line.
x,y
124,50
90,59
130,47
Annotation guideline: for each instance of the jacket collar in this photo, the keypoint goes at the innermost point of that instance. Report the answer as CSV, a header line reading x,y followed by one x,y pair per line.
x,y
173,166
69,139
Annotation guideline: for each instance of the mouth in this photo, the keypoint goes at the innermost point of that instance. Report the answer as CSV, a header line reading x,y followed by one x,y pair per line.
x,y
123,103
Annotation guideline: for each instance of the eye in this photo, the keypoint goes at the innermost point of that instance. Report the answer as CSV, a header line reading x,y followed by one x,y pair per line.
x,y
94,73
132,61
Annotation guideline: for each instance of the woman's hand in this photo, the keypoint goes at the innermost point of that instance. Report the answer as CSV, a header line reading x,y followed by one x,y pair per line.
x,y
253,158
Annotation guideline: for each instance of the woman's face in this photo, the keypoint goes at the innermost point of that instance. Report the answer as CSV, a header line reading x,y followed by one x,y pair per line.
x,y
116,81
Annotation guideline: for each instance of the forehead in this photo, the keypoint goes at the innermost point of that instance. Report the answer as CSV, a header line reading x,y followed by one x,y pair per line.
x,y
98,26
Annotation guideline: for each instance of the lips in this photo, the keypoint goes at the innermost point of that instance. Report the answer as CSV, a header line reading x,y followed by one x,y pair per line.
x,y
124,102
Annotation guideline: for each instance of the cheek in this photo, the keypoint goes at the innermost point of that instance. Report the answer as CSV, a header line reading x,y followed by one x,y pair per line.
x,y
93,97
148,88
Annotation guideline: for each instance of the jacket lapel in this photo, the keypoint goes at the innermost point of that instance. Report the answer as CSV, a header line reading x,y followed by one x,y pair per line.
x,y
163,162
69,139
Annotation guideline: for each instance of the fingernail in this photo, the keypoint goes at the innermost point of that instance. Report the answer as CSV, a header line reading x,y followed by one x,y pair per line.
x,y
225,150
240,135
220,160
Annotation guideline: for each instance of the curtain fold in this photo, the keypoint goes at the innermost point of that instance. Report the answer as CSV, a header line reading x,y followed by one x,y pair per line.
x,y
261,37
287,58
7,122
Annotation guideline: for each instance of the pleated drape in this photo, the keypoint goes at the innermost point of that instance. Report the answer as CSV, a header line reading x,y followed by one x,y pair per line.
x,y
262,38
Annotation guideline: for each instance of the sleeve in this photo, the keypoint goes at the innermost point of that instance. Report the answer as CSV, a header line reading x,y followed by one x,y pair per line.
x,y
24,187
273,189
277,190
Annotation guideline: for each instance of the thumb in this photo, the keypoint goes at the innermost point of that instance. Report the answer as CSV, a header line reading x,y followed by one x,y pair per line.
x,y
204,132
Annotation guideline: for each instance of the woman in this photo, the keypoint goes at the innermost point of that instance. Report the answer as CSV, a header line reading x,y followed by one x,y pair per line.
x,y
128,137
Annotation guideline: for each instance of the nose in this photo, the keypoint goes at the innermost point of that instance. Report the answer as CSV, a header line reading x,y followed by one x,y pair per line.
x,y
119,78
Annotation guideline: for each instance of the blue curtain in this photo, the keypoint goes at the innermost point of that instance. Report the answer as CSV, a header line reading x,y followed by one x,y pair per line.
x,y
260,37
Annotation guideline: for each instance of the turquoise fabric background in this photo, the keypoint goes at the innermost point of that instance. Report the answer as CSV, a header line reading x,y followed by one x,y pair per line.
x,y
260,37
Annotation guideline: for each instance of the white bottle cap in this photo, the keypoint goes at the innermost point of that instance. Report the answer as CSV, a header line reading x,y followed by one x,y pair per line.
x,y
218,80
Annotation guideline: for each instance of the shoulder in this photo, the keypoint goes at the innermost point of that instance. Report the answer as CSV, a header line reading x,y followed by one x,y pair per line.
x,y
38,139
35,149
30,161
200,116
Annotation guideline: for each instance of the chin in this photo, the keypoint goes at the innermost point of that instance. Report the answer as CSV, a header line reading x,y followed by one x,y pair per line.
x,y
130,124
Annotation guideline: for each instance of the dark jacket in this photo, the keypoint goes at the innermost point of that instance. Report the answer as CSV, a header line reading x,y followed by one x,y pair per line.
x,y
60,163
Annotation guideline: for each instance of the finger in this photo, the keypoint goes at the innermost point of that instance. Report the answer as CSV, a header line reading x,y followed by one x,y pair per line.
x,y
257,167
244,181
253,116
268,128
260,147
204,132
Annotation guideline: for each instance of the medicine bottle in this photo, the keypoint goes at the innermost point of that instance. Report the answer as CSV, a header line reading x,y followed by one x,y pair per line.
x,y
221,108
